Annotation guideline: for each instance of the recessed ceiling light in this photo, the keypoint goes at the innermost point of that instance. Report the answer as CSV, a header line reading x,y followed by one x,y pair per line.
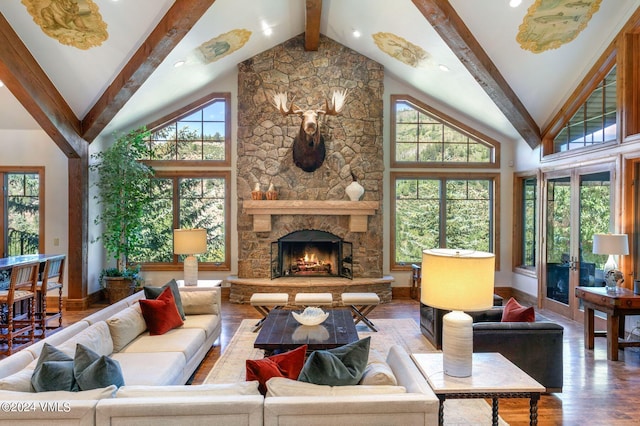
x,y
1,84
268,31
514,3
178,64
443,67
356,33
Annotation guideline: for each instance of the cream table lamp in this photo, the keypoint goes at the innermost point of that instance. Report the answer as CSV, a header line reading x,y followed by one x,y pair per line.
x,y
457,280
190,242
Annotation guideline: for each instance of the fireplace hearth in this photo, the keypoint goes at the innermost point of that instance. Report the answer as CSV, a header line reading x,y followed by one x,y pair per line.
x,y
311,253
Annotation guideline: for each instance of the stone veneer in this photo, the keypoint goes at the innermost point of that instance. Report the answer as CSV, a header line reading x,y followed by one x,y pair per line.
x,y
353,143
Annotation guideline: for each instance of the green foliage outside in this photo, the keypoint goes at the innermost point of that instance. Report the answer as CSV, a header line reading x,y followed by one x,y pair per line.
x,y
23,213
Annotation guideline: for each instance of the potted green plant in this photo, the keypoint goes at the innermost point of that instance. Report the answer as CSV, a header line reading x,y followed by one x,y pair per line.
x,y
123,196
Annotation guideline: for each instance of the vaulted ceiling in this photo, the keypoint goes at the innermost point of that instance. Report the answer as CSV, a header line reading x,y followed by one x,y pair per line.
x,y
109,65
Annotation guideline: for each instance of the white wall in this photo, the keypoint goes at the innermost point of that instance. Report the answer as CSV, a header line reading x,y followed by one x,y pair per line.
x,y
504,276
35,148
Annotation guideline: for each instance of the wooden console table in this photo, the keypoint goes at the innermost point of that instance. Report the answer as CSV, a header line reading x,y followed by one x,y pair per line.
x,y
616,306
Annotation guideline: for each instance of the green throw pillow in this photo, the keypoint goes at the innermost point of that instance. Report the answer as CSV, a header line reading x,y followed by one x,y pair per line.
x,y
54,371
154,292
340,366
93,371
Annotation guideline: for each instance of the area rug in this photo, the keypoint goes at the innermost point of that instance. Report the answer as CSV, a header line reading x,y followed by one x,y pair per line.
x,y
405,332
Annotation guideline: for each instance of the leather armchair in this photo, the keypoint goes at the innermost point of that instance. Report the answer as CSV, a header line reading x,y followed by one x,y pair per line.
x,y
535,347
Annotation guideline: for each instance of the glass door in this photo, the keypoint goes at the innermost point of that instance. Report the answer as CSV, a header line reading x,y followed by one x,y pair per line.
x,y
579,203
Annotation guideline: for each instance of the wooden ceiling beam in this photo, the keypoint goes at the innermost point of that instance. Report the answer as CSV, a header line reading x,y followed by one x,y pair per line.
x,y
175,24
312,25
448,24
23,76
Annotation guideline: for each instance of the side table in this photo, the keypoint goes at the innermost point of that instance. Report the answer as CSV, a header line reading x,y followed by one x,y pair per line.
x,y
493,377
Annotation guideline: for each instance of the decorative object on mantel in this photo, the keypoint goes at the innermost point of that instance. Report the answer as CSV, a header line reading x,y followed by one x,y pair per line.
x,y
272,194
354,190
310,316
308,146
257,194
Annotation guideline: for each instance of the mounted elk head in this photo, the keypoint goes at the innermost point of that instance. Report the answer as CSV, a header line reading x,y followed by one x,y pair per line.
x,y
308,145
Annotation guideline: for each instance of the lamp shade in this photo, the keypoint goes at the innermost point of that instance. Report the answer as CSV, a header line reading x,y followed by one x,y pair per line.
x,y
460,280
189,241
610,244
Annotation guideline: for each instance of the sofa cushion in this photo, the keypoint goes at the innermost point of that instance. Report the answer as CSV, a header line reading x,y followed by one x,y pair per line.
x,y
515,312
200,302
126,326
154,293
148,368
186,341
93,371
340,366
287,364
96,337
208,323
280,386
226,389
54,371
161,314
93,394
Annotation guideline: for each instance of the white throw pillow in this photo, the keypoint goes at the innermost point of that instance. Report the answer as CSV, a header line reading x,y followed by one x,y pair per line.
x,y
199,302
96,337
20,381
281,386
241,388
126,326
377,372
92,394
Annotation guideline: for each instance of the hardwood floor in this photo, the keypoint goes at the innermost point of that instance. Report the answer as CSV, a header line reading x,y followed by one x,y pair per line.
x,y
596,391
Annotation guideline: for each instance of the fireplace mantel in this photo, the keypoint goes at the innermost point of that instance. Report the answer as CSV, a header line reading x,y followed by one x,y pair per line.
x,y
262,210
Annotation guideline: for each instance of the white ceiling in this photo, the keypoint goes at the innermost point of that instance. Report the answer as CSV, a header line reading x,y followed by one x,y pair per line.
x,y
541,81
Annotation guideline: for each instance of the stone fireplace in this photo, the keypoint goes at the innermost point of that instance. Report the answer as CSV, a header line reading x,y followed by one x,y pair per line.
x,y
311,253
310,200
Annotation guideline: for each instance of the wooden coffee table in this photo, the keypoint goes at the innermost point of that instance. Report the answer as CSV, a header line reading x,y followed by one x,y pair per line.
x,y
493,377
280,332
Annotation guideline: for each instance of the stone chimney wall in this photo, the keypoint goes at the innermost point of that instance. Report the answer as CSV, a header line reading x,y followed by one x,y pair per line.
x,y
353,142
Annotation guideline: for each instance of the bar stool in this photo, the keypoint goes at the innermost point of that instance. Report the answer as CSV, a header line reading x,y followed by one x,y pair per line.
x,y
52,279
19,327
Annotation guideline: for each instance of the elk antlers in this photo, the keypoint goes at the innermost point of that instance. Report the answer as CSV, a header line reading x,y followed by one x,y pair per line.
x,y
280,101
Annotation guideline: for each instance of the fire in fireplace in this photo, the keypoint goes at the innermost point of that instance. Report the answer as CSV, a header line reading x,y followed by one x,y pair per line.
x,y
311,252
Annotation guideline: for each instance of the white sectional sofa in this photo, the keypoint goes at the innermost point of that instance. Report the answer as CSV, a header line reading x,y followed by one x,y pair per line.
x,y
150,366
155,369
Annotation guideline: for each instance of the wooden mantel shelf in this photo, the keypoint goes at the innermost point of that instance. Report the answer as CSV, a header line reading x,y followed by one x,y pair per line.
x,y
262,210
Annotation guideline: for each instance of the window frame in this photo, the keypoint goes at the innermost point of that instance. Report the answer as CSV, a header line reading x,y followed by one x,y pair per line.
x,y
518,225
41,205
396,175
176,169
447,121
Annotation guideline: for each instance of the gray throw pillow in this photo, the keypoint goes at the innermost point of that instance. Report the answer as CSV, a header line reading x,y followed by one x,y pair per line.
x,y
154,292
340,366
93,371
53,372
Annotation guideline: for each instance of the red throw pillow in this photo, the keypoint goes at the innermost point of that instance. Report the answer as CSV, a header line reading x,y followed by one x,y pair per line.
x,y
161,314
288,364
515,312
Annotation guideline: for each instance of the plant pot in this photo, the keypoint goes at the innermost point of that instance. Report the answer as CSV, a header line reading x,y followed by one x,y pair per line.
x,y
118,288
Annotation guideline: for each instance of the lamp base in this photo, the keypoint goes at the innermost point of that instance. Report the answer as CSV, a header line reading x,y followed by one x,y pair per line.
x,y
190,271
457,344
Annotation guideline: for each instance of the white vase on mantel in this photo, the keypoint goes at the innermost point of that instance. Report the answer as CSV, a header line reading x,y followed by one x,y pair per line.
x,y
354,190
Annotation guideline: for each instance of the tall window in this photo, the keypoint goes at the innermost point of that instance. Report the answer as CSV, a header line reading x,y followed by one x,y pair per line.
x,y
22,197
430,209
426,137
191,185
595,121
526,216
442,211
